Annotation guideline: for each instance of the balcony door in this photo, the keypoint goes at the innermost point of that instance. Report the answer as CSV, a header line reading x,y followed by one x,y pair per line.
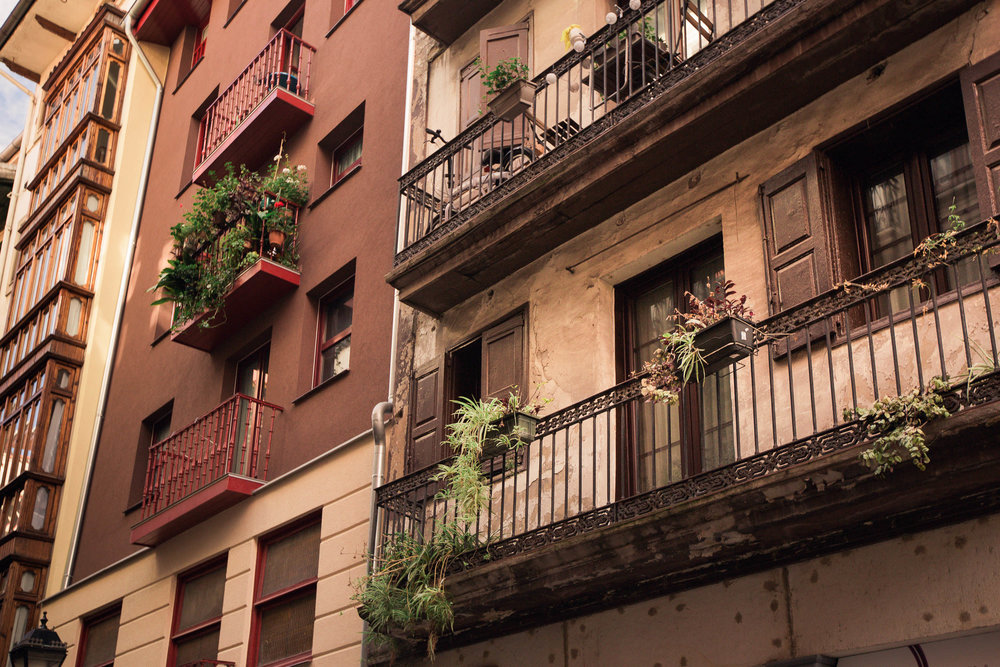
x,y
251,382
662,444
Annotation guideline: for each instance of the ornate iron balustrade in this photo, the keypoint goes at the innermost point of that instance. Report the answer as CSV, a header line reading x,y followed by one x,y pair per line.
x,y
234,438
286,63
612,457
621,68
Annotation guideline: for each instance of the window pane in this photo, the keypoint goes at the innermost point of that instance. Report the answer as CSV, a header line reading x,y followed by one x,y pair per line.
x,y
82,270
337,315
101,638
201,647
348,155
52,434
291,560
110,89
201,599
336,359
955,185
286,629
40,508
888,220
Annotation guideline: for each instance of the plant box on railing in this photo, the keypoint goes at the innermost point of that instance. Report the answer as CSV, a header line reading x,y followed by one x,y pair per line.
x,y
513,101
725,342
514,427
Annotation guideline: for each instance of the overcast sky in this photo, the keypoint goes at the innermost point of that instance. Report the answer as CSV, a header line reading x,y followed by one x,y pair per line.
x,y
13,102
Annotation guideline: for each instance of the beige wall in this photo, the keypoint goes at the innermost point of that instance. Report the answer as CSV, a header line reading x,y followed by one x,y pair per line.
x,y
337,484
931,585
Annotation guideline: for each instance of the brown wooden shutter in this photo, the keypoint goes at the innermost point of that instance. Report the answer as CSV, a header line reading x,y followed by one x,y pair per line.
x,y
797,235
470,95
981,94
426,416
503,359
496,44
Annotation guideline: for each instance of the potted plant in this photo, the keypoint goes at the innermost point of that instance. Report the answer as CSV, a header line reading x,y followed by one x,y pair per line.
x,y
713,334
278,220
513,426
510,93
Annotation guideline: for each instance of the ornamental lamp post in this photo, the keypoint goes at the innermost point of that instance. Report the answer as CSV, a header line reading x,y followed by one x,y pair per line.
x,y
39,648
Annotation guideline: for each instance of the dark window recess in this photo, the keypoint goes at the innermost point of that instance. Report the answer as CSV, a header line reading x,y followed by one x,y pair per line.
x,y
347,156
491,365
154,428
340,150
664,444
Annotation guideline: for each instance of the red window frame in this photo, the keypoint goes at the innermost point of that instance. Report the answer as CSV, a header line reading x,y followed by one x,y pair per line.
x,y
200,40
90,622
282,596
340,174
323,342
204,627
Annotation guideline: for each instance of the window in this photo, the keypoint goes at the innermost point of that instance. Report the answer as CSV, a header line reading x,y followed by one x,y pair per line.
x,y
285,597
198,614
349,5
490,365
869,200
200,41
336,313
667,443
251,383
347,156
340,150
155,428
98,639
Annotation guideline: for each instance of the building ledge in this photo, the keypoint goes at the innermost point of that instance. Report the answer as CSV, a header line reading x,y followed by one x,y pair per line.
x,y
254,291
221,494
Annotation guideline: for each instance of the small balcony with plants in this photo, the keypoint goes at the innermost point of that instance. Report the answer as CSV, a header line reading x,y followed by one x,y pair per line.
x,y
205,467
866,412
270,99
235,253
639,103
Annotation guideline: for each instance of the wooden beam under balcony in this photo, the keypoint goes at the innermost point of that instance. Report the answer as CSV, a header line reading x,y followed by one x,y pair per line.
x,y
728,92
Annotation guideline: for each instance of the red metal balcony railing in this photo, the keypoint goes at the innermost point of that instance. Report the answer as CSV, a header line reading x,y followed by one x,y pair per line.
x,y
285,63
232,439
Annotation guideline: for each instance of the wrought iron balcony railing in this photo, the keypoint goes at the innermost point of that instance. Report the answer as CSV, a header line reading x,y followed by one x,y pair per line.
x,y
612,457
285,63
576,98
232,439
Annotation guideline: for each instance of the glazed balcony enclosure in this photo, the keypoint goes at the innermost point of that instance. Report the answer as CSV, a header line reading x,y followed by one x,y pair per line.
x,y
757,465
268,100
649,98
207,466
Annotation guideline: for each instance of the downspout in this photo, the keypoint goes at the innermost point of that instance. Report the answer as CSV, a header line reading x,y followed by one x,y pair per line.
x,y
122,291
381,410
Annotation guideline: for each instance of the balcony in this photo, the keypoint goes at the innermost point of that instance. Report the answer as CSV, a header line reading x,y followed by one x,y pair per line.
x,y
665,89
206,467
268,100
252,290
162,20
601,508
446,20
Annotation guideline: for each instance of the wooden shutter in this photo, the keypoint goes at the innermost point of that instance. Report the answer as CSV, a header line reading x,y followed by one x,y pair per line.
x,y
981,95
426,418
496,44
798,239
470,95
503,359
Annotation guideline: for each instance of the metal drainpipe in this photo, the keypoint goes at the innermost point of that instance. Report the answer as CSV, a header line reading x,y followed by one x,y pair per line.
x,y
123,289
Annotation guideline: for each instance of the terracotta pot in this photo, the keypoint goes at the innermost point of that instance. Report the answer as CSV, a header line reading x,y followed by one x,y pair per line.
x,y
276,238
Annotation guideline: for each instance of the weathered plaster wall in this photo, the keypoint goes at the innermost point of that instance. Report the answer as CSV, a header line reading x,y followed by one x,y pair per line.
x,y
930,585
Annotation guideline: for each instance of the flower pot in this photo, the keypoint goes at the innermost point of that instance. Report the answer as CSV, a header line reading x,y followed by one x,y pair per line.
x,y
276,238
725,342
513,101
518,426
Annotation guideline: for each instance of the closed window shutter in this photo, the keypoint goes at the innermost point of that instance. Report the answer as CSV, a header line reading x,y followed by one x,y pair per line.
x,y
981,95
470,95
426,420
496,44
799,240
503,360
